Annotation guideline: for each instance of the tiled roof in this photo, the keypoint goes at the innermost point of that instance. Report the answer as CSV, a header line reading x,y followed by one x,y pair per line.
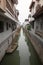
x,y
39,12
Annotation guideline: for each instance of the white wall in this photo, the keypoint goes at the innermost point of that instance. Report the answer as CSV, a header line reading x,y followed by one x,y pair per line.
x,y
5,41
41,2
36,3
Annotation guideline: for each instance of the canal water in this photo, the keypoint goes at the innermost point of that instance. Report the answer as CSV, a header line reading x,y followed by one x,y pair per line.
x,y
23,55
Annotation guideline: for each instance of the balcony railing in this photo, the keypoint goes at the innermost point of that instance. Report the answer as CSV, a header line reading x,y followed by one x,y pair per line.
x,y
9,7
38,7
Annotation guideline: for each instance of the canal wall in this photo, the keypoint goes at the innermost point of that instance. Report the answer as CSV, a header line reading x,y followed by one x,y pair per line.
x,y
37,43
6,43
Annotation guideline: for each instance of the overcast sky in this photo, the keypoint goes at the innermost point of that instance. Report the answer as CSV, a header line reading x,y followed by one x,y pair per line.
x,y
23,7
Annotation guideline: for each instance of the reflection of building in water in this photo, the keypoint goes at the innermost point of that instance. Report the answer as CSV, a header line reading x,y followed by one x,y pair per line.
x,y
11,59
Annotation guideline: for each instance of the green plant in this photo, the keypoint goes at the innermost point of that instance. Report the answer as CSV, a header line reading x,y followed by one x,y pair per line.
x,y
29,27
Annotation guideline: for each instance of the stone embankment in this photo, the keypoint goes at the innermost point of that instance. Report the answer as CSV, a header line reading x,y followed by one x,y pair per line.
x,y
9,43
37,43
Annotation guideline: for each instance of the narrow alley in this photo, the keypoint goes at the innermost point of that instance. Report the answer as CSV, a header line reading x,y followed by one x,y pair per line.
x,y
23,55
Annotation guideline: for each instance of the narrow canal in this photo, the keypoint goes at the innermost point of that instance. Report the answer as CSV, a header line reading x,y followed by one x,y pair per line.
x,y
24,54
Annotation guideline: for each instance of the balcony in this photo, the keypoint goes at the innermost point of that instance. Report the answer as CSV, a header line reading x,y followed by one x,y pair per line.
x,y
38,7
9,7
39,11
32,4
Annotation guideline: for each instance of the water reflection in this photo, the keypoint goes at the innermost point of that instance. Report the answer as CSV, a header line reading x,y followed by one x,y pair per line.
x,y
23,50
34,59
11,59
24,55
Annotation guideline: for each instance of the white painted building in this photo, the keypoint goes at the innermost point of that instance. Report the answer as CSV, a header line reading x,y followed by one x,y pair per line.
x,y
8,24
26,22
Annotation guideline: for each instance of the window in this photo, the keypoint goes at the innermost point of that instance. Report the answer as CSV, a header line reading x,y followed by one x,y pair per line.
x,y
32,24
7,25
1,26
41,26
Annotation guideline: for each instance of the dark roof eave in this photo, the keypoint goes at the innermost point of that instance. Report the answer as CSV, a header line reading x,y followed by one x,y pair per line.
x,y
5,18
1,10
39,12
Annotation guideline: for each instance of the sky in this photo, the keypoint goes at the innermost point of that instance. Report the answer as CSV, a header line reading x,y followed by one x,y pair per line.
x,y
23,7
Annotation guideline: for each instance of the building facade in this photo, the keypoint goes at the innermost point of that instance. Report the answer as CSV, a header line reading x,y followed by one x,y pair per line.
x,y
8,24
26,22
36,9
36,33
